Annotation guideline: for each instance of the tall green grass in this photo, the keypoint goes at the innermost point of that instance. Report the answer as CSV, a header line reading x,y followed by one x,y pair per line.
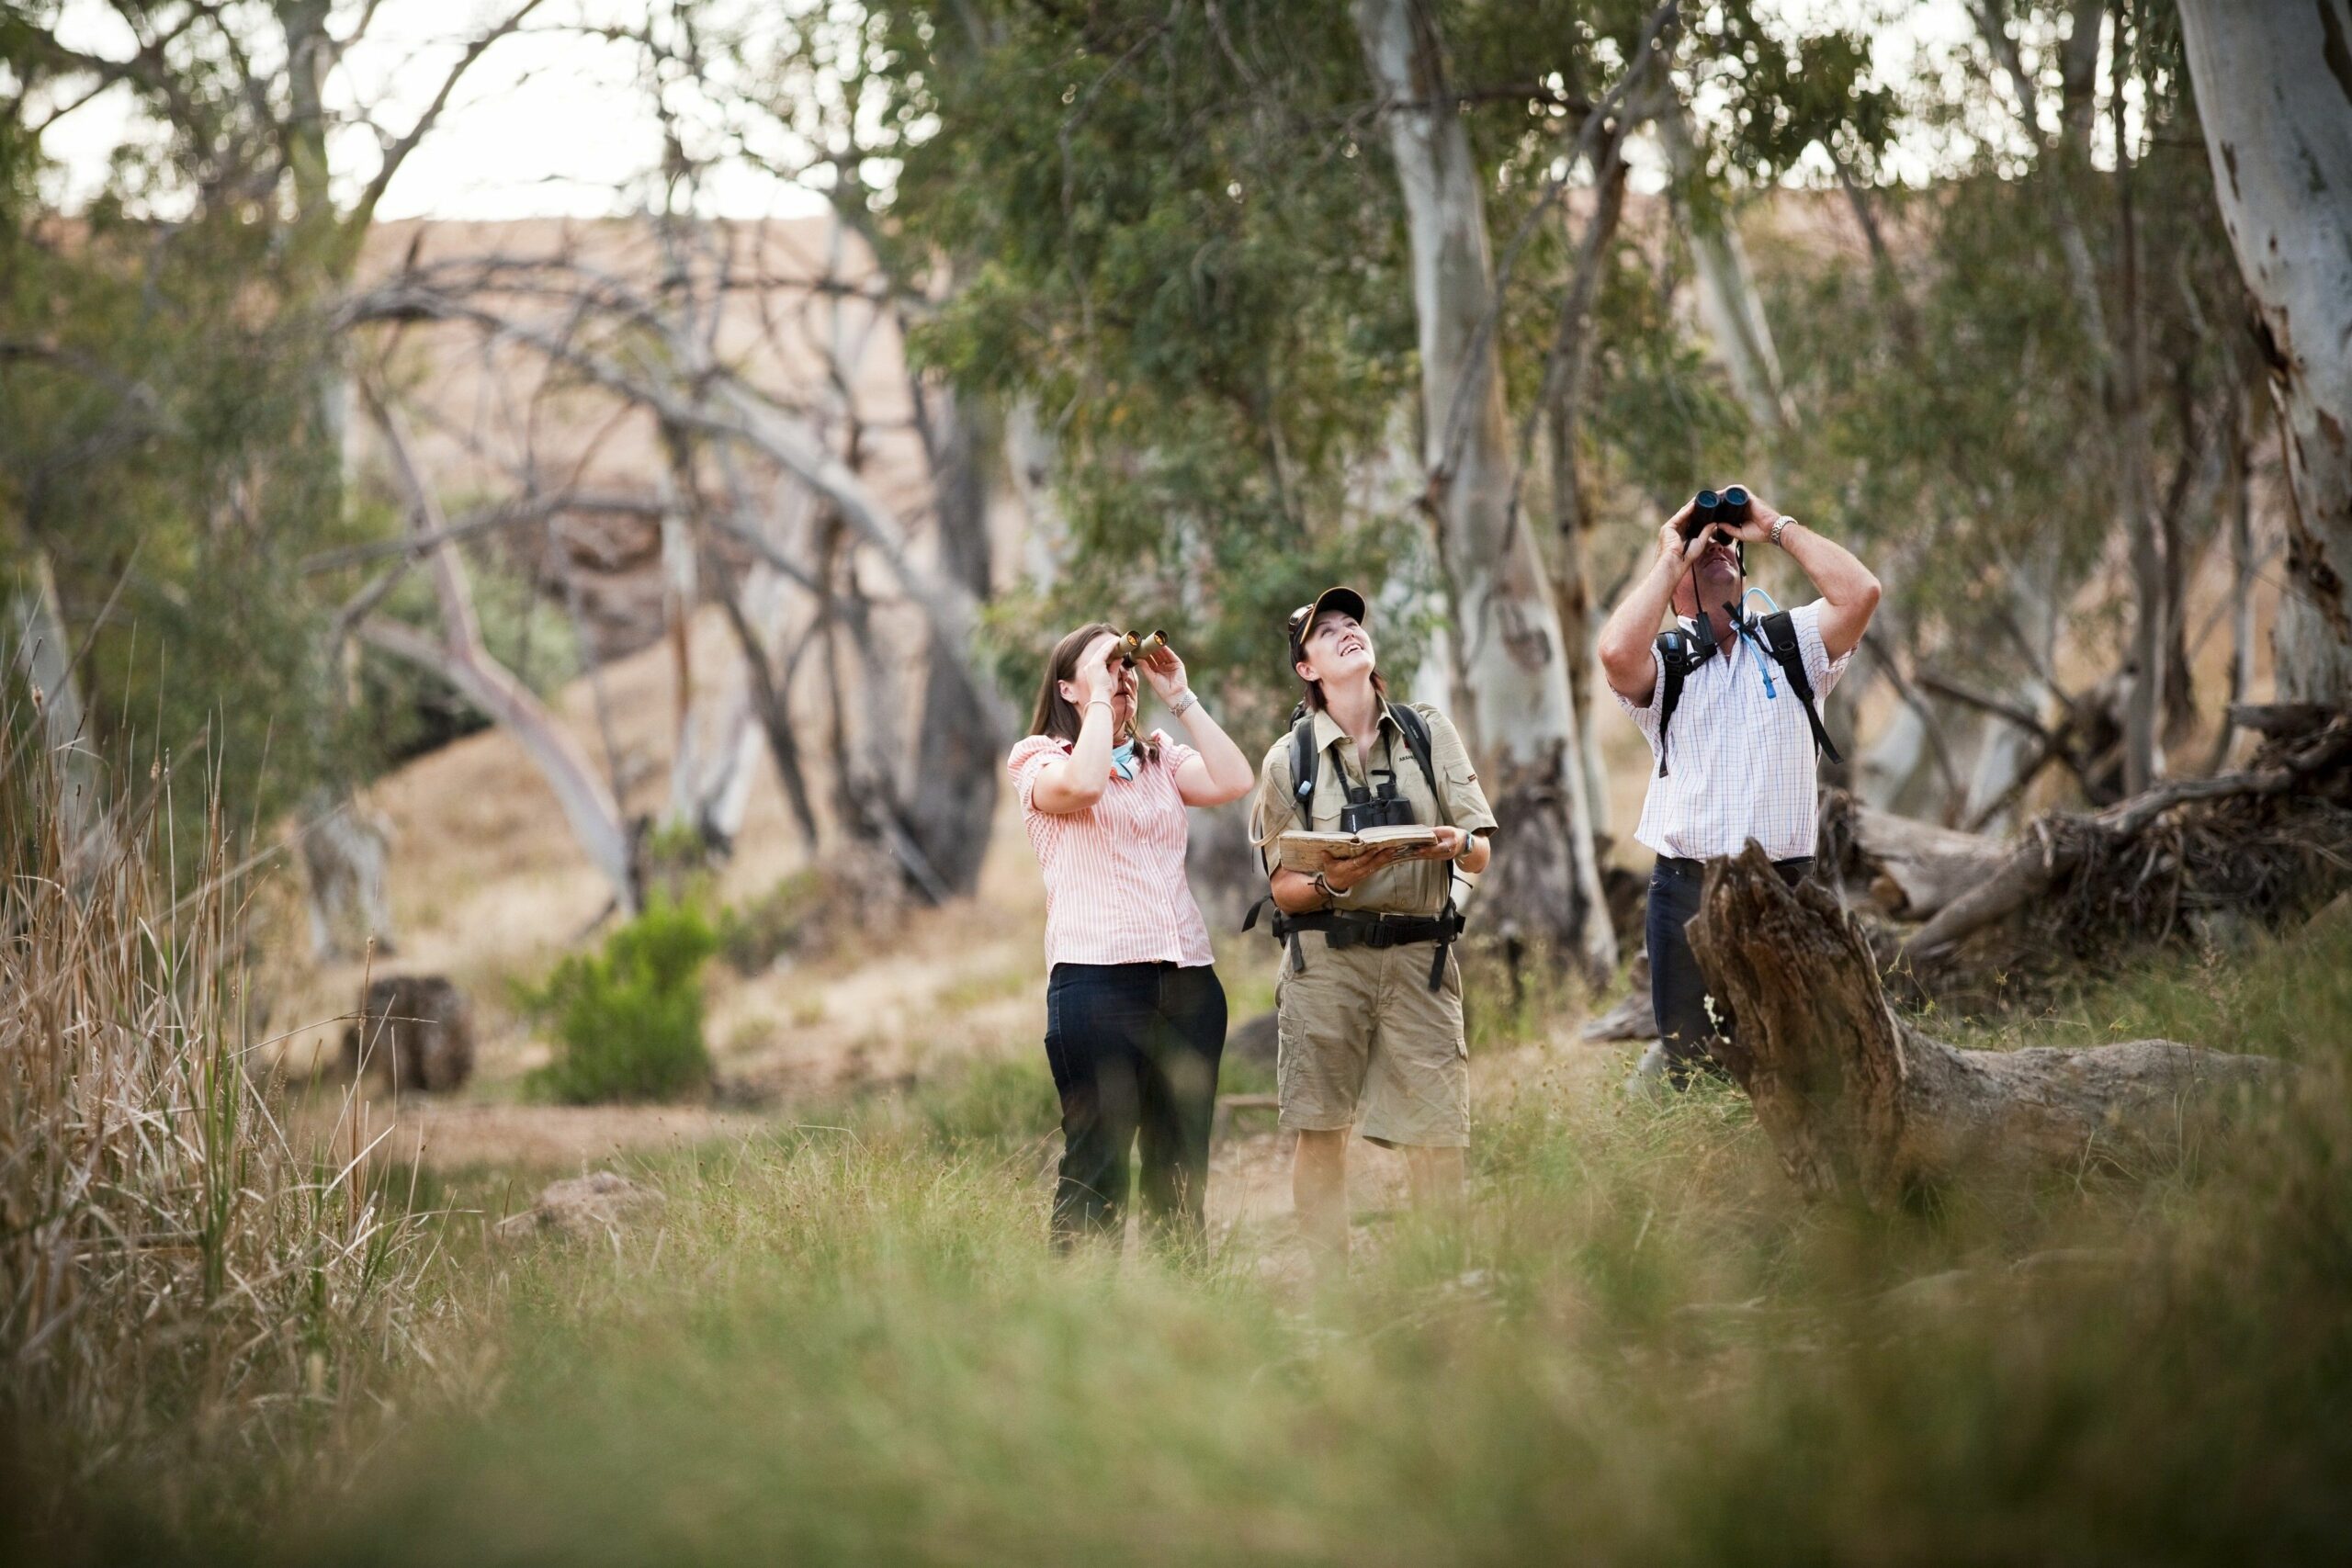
x,y
184,1283
848,1343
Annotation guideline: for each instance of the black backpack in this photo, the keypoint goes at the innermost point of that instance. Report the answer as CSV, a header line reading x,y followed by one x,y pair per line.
x,y
1305,758
1682,651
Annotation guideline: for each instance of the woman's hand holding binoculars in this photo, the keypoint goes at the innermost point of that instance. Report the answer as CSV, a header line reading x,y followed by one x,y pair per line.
x,y
1163,669
1092,677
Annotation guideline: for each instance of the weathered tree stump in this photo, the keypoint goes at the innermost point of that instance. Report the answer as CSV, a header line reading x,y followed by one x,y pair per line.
x,y
414,1031
1855,1100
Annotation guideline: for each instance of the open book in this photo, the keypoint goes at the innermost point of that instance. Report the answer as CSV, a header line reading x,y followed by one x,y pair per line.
x,y
1310,852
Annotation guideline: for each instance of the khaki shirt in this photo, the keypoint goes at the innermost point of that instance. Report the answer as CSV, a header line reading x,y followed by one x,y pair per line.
x,y
1416,887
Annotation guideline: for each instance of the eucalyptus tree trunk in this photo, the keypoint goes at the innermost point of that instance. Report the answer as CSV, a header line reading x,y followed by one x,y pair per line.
x,y
1512,666
44,656
958,748
2144,706
1729,302
2274,91
592,810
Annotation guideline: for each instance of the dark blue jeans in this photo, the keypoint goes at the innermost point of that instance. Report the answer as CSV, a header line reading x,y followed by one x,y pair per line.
x,y
1678,991
1134,1048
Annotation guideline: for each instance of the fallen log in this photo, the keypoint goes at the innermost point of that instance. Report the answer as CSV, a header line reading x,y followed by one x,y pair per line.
x,y
2309,767
1910,869
1633,1018
1857,1101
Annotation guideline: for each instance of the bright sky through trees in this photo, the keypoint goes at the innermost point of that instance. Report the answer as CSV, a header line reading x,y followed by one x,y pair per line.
x,y
554,121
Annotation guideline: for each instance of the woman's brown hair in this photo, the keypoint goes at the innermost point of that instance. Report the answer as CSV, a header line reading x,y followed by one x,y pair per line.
x,y
1053,715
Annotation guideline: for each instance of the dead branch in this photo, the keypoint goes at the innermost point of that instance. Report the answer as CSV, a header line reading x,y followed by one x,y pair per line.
x,y
460,657
1857,1101
2061,844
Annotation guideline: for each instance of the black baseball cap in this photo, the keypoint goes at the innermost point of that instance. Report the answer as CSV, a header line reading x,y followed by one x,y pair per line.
x,y
1347,601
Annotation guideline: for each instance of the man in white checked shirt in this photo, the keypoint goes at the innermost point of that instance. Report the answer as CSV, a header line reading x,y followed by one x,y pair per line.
x,y
1737,761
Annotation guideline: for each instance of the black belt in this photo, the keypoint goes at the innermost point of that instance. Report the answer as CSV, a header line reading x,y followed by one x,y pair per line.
x,y
1354,928
1676,865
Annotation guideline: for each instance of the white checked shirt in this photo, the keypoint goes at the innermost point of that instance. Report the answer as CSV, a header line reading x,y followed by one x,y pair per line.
x,y
1739,765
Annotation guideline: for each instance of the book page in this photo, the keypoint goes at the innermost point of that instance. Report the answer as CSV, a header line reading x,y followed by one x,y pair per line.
x,y
1310,852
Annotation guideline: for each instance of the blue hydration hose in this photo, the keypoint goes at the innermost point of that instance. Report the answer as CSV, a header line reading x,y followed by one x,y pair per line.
x,y
1747,630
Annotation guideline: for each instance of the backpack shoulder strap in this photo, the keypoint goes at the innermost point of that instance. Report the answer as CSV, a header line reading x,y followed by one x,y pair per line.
x,y
1416,726
1302,768
1674,659
1780,636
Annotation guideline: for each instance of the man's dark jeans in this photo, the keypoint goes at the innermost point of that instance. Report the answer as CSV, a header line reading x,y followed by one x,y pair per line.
x,y
1678,991
1134,1048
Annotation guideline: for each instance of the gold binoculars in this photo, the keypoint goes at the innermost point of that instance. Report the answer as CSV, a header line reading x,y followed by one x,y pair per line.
x,y
1139,645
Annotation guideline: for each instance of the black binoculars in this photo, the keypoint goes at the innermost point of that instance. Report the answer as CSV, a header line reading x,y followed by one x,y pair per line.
x,y
1366,808
1139,645
1710,507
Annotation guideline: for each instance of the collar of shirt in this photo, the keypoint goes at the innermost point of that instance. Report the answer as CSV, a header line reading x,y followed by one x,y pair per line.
x,y
1328,730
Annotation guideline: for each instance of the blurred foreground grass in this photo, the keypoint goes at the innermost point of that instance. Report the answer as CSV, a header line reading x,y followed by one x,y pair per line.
x,y
848,1344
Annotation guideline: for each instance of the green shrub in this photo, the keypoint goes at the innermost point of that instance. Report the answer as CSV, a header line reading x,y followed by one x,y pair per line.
x,y
628,1021
787,918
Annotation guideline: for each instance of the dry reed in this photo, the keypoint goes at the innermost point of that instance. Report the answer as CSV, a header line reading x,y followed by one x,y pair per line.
x,y
178,1273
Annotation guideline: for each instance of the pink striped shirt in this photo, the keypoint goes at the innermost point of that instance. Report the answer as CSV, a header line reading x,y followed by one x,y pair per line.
x,y
1116,891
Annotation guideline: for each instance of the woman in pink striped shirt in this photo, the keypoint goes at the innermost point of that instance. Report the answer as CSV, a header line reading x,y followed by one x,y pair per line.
x,y
1134,1016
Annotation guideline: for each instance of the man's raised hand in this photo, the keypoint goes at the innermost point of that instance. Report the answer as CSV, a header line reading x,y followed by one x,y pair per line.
x,y
1677,554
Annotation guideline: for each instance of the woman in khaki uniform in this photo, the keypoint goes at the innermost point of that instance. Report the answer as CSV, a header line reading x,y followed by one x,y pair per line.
x,y
1370,998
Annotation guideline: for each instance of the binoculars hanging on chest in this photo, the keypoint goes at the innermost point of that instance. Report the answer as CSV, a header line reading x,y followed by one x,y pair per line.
x,y
1377,807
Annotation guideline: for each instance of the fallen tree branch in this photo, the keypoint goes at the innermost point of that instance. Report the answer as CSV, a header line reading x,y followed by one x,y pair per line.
x,y
1857,1101
2059,842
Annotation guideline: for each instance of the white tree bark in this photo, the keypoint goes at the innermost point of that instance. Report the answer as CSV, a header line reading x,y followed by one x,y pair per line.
x,y
1729,303
2274,91
1512,695
589,807
45,660
346,850
1030,458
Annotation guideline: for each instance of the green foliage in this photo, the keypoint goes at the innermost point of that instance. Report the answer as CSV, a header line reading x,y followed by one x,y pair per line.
x,y
1952,408
1181,257
628,1021
174,404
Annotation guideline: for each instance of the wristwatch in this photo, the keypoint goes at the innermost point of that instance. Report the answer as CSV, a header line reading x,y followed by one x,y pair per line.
x,y
1779,527
1183,703
1469,842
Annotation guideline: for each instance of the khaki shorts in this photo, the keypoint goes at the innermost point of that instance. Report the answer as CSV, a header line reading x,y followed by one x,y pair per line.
x,y
1365,1043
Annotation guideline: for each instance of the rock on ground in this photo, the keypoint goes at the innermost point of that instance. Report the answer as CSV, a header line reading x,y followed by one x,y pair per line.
x,y
584,1208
